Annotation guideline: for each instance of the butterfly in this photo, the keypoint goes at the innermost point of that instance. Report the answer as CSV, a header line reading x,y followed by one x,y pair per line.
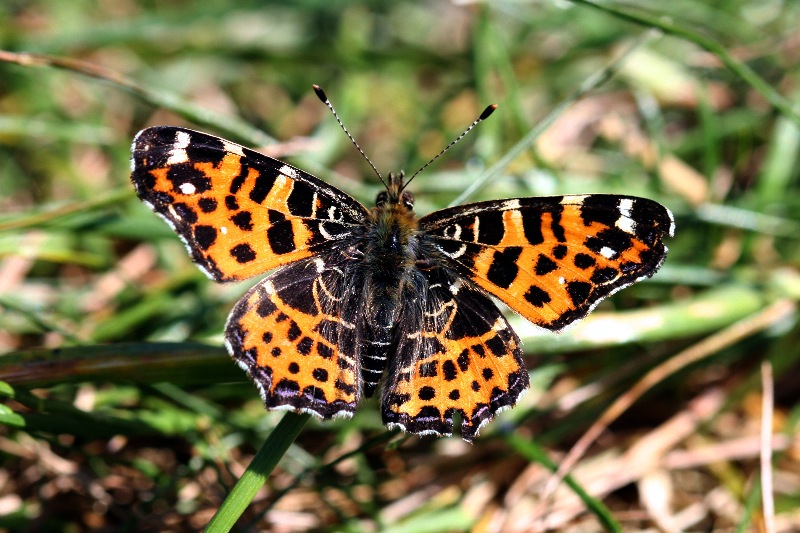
x,y
363,300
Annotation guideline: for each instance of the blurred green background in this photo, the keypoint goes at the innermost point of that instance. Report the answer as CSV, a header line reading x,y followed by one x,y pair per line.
x,y
121,409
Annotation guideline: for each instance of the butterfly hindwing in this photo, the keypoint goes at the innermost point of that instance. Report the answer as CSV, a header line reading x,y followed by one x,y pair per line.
x,y
552,259
456,353
286,333
239,212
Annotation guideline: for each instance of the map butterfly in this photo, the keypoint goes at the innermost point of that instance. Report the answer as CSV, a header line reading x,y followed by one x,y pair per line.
x,y
364,300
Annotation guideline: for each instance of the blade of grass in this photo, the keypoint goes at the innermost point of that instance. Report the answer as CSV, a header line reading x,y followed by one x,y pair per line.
x,y
780,164
319,468
195,363
704,313
736,217
257,472
747,520
56,417
176,363
200,115
53,215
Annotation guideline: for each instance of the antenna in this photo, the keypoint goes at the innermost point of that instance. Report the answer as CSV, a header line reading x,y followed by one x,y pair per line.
x,y
321,95
486,112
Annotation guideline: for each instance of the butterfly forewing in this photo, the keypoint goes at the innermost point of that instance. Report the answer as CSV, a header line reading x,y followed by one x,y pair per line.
x,y
552,259
239,212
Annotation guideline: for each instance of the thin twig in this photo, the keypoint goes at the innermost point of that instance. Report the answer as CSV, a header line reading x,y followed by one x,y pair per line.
x,y
767,409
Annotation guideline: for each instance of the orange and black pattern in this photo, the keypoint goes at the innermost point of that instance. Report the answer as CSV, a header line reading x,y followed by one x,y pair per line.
x,y
378,299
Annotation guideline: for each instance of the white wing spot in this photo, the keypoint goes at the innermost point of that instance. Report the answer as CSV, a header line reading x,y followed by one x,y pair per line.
x,y
628,225
178,152
269,287
182,139
561,280
607,252
625,206
234,148
455,287
223,230
187,188
289,171
510,204
574,199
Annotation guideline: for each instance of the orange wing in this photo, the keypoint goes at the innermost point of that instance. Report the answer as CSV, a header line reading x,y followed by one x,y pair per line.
x,y
239,212
552,259
288,335
456,353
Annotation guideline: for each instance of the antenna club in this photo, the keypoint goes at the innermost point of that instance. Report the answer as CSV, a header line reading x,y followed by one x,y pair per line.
x,y
486,112
321,94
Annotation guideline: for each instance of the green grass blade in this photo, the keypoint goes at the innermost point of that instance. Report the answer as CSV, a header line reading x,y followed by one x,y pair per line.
x,y
256,474
530,450
740,69
591,82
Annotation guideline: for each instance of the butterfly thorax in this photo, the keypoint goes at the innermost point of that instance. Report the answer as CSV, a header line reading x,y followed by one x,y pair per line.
x,y
391,240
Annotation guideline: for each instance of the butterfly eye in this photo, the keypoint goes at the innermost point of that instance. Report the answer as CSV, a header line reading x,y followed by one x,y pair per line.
x,y
382,198
408,200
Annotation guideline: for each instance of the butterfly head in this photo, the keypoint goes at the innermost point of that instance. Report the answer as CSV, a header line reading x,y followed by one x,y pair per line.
x,y
394,198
